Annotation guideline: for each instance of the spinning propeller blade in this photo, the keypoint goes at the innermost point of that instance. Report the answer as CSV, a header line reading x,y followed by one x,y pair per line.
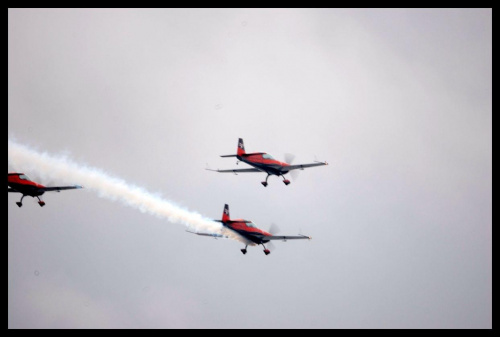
x,y
289,158
273,229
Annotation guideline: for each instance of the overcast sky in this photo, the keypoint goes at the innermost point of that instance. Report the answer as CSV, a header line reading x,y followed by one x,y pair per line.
x,y
399,102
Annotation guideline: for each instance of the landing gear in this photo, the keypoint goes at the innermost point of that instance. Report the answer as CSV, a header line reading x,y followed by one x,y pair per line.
x,y
266,251
41,202
285,181
20,202
265,182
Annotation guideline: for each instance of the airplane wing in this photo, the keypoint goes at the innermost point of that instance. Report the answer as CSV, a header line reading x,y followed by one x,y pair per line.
x,y
303,166
10,189
287,237
235,171
60,188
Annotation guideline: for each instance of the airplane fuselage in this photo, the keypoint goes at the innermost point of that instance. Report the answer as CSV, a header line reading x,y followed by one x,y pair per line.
x,y
248,230
268,165
24,186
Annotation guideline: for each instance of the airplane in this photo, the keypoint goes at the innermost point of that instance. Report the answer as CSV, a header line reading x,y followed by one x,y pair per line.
x,y
21,183
247,232
264,162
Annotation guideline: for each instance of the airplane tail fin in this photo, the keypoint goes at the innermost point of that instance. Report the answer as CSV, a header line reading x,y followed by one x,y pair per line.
x,y
241,147
225,214
240,151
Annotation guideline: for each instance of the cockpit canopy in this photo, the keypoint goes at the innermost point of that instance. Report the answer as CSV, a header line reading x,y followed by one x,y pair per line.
x,y
267,156
24,177
251,224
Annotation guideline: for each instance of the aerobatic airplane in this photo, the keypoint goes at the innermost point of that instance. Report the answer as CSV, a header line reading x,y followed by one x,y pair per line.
x,y
264,162
247,232
20,183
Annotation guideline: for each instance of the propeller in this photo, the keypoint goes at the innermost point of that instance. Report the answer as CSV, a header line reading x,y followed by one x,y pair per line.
x,y
273,229
270,245
289,158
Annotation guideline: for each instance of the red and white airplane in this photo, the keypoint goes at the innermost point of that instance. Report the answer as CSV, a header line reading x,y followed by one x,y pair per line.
x,y
20,183
264,162
247,232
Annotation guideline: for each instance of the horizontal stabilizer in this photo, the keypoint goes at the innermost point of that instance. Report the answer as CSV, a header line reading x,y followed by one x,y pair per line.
x,y
214,235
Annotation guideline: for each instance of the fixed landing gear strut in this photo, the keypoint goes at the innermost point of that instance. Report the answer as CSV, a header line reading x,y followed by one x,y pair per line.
x,y
285,181
20,202
266,251
40,202
265,182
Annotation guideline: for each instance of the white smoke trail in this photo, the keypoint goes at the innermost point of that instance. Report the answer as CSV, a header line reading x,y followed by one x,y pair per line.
x,y
23,159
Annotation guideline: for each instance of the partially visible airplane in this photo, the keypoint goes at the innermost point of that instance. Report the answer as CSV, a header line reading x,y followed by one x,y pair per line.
x,y
264,162
247,232
20,183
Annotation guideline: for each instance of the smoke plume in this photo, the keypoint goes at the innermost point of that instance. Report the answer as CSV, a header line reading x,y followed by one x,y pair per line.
x,y
61,168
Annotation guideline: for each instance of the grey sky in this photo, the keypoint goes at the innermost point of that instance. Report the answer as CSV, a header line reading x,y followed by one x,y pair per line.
x,y
399,102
